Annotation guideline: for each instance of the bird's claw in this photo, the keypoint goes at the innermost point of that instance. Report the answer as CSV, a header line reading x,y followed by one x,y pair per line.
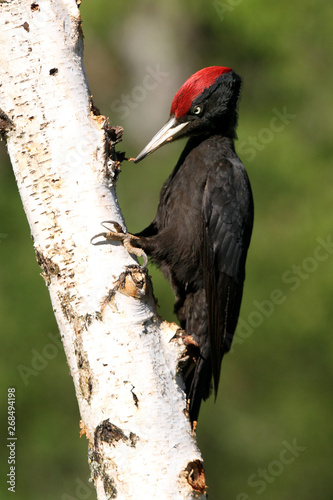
x,y
116,235
192,347
189,340
126,239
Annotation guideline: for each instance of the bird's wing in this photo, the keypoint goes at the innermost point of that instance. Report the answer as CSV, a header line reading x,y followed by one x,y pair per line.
x,y
227,225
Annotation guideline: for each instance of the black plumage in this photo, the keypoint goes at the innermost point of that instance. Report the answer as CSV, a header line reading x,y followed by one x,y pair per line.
x,y
201,232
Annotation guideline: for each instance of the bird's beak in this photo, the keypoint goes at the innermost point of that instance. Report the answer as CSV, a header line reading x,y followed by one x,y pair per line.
x,y
166,134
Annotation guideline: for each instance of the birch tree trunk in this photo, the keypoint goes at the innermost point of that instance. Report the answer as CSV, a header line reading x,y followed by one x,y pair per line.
x,y
120,353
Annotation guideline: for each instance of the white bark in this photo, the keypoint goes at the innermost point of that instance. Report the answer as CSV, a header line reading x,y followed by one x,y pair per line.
x,y
118,350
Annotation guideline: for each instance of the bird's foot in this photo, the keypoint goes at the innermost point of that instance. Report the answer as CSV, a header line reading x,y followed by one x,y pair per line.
x,y
126,239
192,347
190,355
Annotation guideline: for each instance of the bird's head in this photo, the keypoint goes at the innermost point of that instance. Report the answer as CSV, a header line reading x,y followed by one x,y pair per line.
x,y
205,104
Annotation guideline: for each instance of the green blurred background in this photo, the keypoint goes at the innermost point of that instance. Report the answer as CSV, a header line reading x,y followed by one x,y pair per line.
x,y
270,433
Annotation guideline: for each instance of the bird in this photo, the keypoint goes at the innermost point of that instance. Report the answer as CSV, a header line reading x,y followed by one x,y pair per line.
x,y
201,232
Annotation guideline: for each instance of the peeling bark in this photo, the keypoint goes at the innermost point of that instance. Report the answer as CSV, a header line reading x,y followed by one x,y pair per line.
x,y
123,358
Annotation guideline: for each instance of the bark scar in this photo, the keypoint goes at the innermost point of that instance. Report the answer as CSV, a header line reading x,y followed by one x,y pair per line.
x,y
49,267
111,434
195,476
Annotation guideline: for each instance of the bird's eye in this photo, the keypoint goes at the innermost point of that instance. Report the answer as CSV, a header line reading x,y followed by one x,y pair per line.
x,y
197,110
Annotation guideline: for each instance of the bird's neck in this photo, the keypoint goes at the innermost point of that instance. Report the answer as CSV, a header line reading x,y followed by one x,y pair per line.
x,y
195,141
227,126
